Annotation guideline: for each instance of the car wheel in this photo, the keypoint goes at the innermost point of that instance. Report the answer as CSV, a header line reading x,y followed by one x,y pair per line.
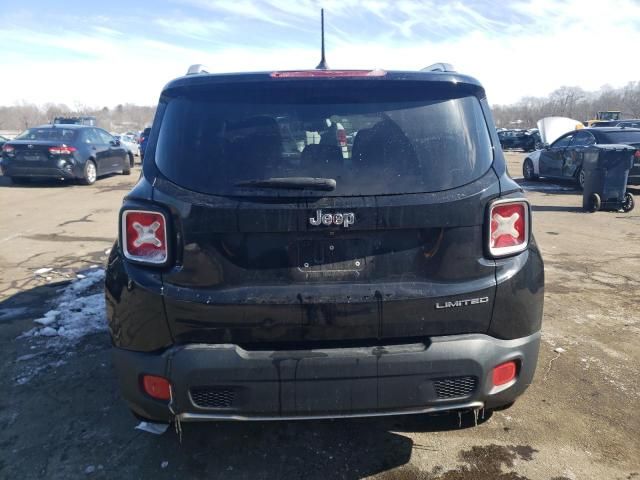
x,y
132,160
89,173
528,171
628,202
127,167
580,177
594,203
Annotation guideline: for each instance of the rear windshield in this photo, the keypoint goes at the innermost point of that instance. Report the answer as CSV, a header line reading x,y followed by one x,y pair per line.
x,y
368,145
56,134
623,137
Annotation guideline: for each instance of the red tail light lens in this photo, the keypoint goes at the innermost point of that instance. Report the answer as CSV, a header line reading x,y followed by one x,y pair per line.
x,y
8,149
637,154
509,227
62,150
504,373
156,387
144,236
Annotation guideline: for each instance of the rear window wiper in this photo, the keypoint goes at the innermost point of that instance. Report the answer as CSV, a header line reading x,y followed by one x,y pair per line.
x,y
311,183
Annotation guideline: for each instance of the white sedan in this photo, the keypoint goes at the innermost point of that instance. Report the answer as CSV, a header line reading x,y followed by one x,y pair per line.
x,y
130,144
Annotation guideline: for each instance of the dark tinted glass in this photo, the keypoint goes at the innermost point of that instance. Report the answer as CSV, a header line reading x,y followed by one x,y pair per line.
x,y
57,134
369,147
562,142
622,136
629,124
582,139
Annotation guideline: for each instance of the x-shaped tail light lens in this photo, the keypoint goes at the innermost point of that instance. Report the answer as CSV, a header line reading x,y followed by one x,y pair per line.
x,y
509,227
144,236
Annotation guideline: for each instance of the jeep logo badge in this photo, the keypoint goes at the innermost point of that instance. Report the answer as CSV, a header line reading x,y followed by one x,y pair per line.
x,y
344,219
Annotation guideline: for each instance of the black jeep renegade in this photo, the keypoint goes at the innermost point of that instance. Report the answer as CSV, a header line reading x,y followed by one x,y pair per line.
x,y
324,243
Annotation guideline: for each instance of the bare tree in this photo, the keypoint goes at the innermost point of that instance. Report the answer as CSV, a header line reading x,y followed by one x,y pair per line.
x,y
126,117
571,102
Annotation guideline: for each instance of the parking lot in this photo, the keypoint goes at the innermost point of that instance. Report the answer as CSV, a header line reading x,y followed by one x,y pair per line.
x,y
61,415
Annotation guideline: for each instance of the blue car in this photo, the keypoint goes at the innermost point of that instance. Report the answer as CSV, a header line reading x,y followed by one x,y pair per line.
x,y
63,152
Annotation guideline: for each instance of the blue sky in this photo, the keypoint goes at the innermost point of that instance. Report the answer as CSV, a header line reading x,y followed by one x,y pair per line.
x,y
85,53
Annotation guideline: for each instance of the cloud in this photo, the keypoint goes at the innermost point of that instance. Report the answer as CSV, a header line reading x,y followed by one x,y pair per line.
x,y
192,27
521,48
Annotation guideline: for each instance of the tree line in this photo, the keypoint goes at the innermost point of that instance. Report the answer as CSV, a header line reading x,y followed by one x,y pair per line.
x,y
122,118
572,102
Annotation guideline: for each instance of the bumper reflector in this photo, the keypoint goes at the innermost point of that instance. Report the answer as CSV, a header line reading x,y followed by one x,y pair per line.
x,y
156,387
504,373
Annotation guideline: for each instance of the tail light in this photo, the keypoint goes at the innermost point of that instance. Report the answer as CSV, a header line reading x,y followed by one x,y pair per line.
x,y
342,138
62,150
144,236
637,154
8,149
509,227
504,373
156,387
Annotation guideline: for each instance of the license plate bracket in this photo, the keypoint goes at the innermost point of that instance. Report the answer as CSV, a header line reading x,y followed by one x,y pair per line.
x,y
331,255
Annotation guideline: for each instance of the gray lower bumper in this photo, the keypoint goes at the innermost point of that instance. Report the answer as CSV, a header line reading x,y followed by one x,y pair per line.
x,y
236,384
38,172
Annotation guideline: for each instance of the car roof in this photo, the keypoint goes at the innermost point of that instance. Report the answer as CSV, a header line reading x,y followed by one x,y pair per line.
x,y
453,78
611,129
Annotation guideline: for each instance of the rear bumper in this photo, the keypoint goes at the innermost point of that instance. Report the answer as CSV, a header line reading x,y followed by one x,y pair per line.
x,y
38,172
226,382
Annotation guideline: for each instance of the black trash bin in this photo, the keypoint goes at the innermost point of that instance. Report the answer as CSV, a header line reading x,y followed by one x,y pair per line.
x,y
606,169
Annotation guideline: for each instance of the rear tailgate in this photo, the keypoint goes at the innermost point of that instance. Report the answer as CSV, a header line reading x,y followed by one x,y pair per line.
x,y
258,265
32,153
398,272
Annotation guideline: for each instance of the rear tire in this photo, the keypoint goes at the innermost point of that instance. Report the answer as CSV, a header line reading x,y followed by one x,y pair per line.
x,y
132,160
89,173
527,170
127,168
628,203
594,202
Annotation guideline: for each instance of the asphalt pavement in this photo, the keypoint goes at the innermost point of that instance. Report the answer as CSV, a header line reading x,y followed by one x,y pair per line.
x,y
61,415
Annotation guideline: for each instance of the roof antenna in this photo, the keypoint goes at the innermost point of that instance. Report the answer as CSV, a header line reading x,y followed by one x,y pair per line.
x,y
323,63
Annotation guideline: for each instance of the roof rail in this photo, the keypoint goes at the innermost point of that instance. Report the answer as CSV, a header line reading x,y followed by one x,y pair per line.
x,y
197,68
439,67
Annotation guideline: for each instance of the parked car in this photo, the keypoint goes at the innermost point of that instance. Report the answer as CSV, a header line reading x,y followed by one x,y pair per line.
x,y
130,144
63,151
526,140
563,158
88,120
249,283
144,138
633,123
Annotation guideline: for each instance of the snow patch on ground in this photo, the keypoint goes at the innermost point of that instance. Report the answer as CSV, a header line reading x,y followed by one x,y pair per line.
x,y
28,373
77,312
